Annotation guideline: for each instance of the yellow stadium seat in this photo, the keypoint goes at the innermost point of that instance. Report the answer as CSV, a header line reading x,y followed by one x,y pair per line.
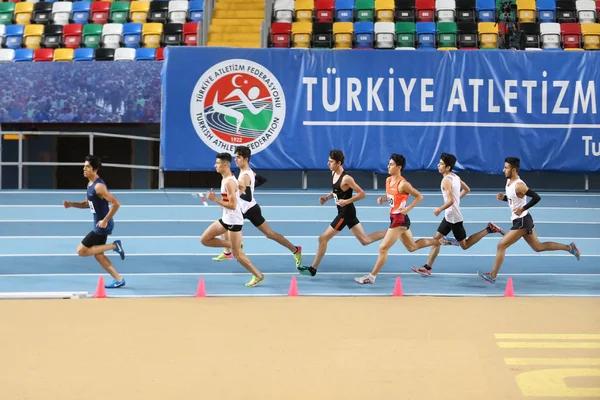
x,y
526,10
64,54
343,33
33,36
151,34
301,34
138,11
384,10
447,48
304,9
23,12
488,35
591,36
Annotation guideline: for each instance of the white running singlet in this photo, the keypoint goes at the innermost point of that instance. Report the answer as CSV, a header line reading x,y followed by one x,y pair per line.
x,y
246,205
231,217
514,201
452,213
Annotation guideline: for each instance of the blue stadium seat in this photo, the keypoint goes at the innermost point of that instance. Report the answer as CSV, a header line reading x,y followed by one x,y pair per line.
x,y
196,11
145,54
13,36
81,12
132,34
363,34
24,55
84,54
426,35
344,10
546,10
486,10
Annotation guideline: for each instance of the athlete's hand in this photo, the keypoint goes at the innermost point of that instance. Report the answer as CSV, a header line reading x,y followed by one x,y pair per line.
x,y
500,196
211,195
66,204
343,203
404,211
381,199
519,211
102,224
437,211
323,199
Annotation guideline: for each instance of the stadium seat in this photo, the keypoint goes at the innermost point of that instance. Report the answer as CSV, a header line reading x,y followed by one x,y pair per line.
x,y
546,10
321,35
23,11
178,10
590,34
324,11
151,34
43,55
83,54
426,35
52,36
571,35
138,11
104,54
190,33
99,12
486,10
61,12
586,11
160,54
445,10
385,35
343,33
159,11
72,35
283,11
32,36
446,34
526,11
13,36
173,35
7,55
405,11
550,33
92,35
406,35
118,12
64,54
301,34
363,35
23,55
303,10
425,10
363,9
565,10
384,10
125,54
465,11
530,36
488,35
6,13
145,54
81,12
132,34
467,35
281,32
344,10
112,36
196,10
42,13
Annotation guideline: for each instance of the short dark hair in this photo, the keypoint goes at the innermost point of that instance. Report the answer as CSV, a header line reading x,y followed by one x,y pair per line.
x,y
337,155
224,157
94,161
514,162
399,160
448,159
243,151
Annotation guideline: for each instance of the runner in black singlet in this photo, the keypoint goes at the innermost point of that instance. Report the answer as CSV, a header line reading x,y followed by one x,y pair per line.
x,y
343,187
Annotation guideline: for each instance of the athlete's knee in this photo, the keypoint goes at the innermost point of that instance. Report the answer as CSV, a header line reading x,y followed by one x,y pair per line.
x,y
270,235
463,245
204,240
537,247
411,247
323,240
83,251
365,241
237,253
501,246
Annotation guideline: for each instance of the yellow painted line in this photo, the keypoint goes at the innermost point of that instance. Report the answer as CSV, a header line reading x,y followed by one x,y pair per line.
x,y
549,345
553,361
549,336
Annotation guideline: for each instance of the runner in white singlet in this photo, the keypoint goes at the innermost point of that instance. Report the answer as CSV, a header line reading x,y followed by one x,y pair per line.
x,y
522,227
232,219
453,189
251,210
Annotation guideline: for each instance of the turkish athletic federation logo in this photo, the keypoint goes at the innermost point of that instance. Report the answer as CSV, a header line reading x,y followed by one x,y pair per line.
x,y
237,102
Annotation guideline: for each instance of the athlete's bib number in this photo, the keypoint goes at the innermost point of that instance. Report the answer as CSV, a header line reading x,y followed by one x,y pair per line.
x,y
335,198
390,200
92,207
